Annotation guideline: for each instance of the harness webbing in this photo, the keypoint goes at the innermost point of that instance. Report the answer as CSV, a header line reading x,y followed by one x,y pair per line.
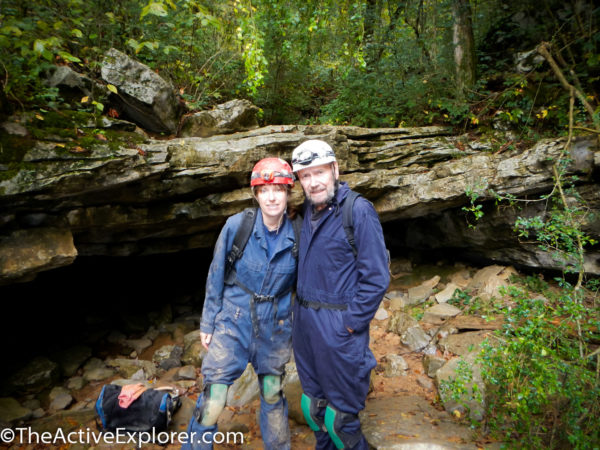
x,y
257,298
324,305
240,240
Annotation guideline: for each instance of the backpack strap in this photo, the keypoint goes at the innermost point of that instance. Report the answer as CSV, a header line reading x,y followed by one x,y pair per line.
x,y
240,239
297,226
347,220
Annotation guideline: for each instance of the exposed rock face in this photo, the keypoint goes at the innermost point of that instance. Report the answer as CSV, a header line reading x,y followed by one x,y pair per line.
x,y
230,117
72,85
167,196
145,97
28,251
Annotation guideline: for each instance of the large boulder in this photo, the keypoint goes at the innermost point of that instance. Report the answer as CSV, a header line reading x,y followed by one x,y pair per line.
x,y
462,375
12,412
37,375
410,422
231,117
72,85
142,95
24,253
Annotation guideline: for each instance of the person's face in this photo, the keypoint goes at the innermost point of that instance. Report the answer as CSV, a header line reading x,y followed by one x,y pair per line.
x,y
318,183
272,199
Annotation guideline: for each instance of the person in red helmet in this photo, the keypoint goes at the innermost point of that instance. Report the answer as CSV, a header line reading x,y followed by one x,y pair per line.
x,y
246,316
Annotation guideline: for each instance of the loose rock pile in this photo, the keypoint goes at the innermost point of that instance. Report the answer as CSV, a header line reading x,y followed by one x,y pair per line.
x,y
419,340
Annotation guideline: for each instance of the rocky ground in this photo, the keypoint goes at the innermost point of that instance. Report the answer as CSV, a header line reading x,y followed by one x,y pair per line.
x,y
416,337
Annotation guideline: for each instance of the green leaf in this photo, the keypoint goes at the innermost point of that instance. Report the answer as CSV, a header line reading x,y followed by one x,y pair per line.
x,y
11,30
39,46
68,57
132,43
77,33
112,88
48,55
154,8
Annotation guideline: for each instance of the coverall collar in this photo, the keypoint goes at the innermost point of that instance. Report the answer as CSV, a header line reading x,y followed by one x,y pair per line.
x,y
287,232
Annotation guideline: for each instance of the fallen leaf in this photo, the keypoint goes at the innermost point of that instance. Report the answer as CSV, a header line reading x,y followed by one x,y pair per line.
x,y
141,152
78,150
404,436
101,137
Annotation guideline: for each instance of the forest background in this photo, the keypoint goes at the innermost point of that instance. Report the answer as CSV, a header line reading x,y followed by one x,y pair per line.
x,y
530,69
371,63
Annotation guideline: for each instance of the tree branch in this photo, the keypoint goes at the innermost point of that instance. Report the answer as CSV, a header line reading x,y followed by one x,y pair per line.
x,y
544,50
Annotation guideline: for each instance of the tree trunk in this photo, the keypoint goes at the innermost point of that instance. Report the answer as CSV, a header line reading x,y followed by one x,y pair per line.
x,y
5,107
370,25
464,46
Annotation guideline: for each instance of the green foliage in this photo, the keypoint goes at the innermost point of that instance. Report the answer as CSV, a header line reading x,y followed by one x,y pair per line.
x,y
473,305
542,387
364,101
26,51
462,388
540,370
559,232
475,210
352,62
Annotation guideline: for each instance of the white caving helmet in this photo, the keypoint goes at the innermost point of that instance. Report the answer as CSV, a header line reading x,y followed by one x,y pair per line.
x,y
313,152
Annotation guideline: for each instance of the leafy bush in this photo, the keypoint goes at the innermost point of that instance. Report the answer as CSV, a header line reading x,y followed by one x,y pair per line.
x,y
542,385
542,369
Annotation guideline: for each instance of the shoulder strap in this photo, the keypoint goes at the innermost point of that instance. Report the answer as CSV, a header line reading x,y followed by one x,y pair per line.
x,y
297,226
240,239
347,219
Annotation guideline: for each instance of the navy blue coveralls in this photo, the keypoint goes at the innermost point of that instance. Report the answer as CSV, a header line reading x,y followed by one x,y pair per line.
x,y
247,331
333,364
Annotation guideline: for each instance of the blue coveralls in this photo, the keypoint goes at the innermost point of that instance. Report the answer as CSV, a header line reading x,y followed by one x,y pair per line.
x,y
333,364
236,340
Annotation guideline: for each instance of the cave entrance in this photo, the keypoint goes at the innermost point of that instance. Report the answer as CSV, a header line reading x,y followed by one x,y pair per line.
x,y
83,302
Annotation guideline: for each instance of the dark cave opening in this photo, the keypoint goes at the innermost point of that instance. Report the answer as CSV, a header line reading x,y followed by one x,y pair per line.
x,y
81,303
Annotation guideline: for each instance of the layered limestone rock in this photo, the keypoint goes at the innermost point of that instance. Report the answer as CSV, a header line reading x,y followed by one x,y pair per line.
x,y
170,195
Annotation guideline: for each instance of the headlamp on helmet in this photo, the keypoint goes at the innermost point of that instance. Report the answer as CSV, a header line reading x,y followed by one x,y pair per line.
x,y
313,152
272,171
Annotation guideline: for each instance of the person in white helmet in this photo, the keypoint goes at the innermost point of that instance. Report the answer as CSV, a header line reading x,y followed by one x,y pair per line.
x,y
340,286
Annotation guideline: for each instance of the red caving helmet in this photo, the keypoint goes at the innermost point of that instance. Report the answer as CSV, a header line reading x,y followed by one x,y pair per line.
x,y
272,171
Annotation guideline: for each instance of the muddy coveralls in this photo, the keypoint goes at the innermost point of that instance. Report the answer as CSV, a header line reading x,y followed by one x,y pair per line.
x,y
249,328
337,290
